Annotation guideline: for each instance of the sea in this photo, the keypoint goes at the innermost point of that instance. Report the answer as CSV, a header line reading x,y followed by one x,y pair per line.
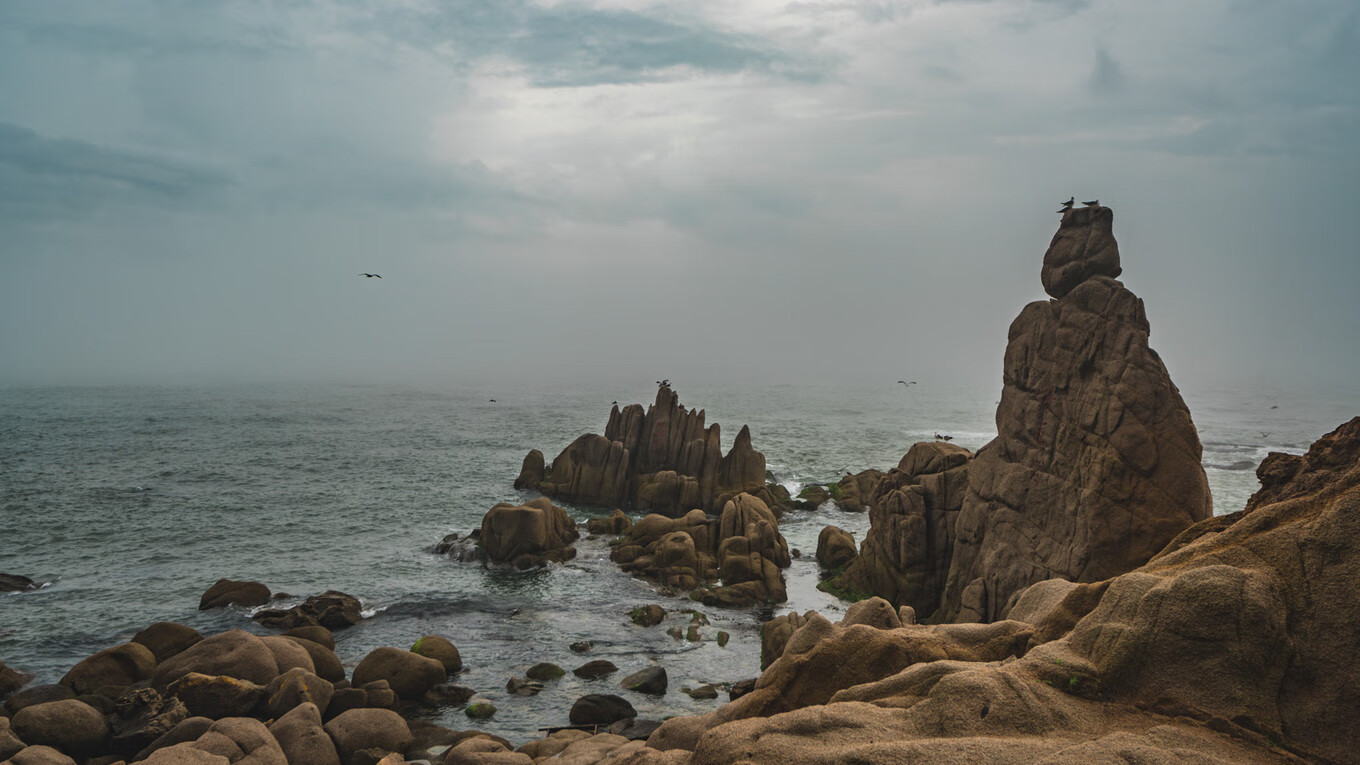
x,y
128,502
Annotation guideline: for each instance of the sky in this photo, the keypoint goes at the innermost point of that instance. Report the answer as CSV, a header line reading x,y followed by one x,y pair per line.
x,y
752,191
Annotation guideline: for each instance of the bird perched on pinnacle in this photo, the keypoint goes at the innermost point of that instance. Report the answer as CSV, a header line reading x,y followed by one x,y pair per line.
x,y
1092,203
1068,204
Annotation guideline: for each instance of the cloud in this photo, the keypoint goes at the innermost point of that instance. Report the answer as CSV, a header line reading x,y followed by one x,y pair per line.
x,y
1108,76
45,178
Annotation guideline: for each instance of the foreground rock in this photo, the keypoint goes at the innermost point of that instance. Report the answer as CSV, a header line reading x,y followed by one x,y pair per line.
x,y
733,560
528,535
664,461
1233,645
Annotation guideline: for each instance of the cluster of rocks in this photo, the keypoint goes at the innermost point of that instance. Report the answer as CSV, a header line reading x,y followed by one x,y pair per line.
x,y
662,461
851,493
733,560
1095,467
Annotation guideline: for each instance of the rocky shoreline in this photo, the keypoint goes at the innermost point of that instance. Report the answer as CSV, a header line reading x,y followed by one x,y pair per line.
x,y
1063,594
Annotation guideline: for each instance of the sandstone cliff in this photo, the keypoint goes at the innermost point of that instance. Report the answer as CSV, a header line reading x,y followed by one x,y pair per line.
x,y
664,460
1234,645
1096,463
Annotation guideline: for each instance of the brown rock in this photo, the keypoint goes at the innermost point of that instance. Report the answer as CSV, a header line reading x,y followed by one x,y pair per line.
x,y
409,674
166,639
217,696
302,739
1084,247
187,730
119,666
142,716
9,743
360,729
649,615
12,680
527,535
852,492
72,726
331,609
40,755
441,650
37,694
294,687
617,523
16,583
234,653
326,663
314,633
227,592
835,548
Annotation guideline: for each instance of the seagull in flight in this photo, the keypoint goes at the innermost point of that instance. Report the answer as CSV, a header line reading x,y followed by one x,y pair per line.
x,y
372,276
904,382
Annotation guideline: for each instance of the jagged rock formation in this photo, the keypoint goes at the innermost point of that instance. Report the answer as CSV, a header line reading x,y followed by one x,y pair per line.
x,y
742,549
1233,645
906,555
664,461
1096,463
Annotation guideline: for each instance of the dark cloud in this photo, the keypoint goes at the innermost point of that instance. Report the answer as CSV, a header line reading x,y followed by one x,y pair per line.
x,y
1108,76
45,178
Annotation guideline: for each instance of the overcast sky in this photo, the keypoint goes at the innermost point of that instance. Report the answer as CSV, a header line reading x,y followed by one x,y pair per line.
x,y
746,191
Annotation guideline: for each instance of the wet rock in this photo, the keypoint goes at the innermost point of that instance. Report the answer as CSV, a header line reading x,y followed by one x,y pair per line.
x,y
73,727
441,650
447,693
703,692
409,674
647,616
12,680
520,686
741,688
234,653
332,609
600,709
360,729
544,671
532,534
167,639
16,583
595,670
651,680
227,592
217,696
302,739
616,523
835,548
634,729
480,709
582,646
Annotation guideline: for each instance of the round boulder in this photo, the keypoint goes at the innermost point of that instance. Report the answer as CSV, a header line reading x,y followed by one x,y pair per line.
x,y
360,729
315,633
166,639
294,687
594,670
409,674
545,671
72,726
40,755
38,694
441,650
288,654
217,696
324,659
121,666
600,709
651,680
231,593
234,653
303,740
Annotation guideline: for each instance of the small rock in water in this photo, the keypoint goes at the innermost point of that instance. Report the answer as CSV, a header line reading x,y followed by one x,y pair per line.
x,y
647,616
16,583
523,687
651,680
448,693
600,709
634,729
582,646
545,671
741,688
480,709
706,691
676,633
693,635
594,670
795,553
723,637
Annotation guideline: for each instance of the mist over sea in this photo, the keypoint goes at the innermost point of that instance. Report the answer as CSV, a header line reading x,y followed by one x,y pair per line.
x,y
131,501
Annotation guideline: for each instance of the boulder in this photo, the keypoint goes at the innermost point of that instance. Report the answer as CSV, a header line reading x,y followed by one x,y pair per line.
x,y
595,670
651,680
544,671
217,696
331,609
288,654
482,709
237,739
119,666
1083,248
664,460
835,548
234,653
10,744
231,593
314,633
302,739
484,750
40,755
520,686
441,650
532,534
185,731
775,634
37,694
324,660
600,709
166,639
852,492
616,523
449,693
294,687
649,615
409,674
72,726
360,729
12,680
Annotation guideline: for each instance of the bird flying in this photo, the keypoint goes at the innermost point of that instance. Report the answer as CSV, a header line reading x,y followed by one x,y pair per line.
x,y
904,382
372,276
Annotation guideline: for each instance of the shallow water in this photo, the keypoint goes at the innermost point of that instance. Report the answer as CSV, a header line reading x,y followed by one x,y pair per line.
x,y
131,501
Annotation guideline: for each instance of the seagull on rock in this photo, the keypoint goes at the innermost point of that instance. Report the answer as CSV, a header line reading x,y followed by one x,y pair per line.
x,y
1092,203
372,276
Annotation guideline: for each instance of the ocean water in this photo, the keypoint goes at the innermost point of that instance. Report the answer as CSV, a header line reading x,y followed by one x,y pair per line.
x,y
131,501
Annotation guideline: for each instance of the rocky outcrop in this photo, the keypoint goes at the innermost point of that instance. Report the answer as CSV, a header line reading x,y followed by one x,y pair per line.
x,y
664,461
528,535
16,583
1234,644
331,609
227,592
907,552
1096,463
835,548
733,560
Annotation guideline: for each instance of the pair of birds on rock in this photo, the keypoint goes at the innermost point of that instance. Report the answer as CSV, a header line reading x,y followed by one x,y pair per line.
x,y
1073,200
